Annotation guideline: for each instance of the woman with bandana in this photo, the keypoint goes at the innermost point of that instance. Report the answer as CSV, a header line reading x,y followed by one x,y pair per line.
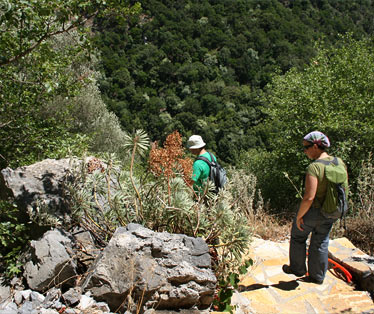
x,y
309,218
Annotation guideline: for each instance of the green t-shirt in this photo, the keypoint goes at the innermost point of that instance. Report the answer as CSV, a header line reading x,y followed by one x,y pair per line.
x,y
317,170
201,172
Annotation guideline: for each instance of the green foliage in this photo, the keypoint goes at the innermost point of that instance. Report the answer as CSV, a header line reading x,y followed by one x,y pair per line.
x,y
159,202
334,94
27,134
13,238
37,66
226,287
27,25
90,119
364,202
197,66
360,225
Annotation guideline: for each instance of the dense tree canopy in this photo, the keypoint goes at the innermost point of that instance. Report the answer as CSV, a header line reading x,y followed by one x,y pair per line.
x,y
198,66
43,56
193,66
333,94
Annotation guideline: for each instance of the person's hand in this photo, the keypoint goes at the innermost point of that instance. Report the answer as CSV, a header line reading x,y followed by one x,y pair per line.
x,y
299,222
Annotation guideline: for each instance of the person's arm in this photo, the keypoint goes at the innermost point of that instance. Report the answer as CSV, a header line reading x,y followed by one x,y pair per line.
x,y
311,184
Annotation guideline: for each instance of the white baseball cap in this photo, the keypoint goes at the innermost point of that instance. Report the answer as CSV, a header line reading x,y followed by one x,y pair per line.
x,y
195,141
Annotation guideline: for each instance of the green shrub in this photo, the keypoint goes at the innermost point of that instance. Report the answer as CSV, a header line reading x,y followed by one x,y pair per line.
x,y
162,200
227,285
360,224
334,94
13,238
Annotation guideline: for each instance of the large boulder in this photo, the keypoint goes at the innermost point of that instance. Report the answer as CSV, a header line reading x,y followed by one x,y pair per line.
x,y
40,190
38,186
160,270
51,263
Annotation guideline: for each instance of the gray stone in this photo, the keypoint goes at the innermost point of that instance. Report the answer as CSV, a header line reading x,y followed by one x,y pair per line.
x,y
36,297
18,297
57,305
26,308
367,281
8,307
4,292
17,284
9,311
85,247
51,263
47,311
171,271
37,186
102,306
23,295
85,302
52,297
72,296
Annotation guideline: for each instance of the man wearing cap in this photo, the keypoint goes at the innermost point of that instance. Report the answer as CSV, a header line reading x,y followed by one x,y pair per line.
x,y
309,218
201,169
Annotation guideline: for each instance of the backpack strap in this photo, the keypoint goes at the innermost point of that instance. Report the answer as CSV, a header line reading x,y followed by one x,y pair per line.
x,y
210,163
204,159
328,162
212,157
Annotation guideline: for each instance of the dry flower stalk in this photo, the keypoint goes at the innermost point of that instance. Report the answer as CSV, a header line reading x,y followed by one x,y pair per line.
x,y
168,161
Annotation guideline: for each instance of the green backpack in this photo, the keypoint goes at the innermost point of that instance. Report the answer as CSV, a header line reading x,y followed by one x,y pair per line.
x,y
335,204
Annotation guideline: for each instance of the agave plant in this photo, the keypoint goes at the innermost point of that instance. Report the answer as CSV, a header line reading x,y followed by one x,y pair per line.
x,y
138,143
164,201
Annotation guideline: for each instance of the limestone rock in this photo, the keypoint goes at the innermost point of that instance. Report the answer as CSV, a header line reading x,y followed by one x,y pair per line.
x,y
37,186
4,291
171,271
51,261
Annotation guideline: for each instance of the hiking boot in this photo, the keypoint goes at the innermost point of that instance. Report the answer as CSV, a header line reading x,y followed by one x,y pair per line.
x,y
311,280
287,269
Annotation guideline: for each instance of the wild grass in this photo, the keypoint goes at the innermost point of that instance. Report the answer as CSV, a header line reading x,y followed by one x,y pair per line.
x,y
248,197
360,222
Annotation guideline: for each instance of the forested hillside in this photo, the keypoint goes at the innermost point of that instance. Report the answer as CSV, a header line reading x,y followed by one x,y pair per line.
x,y
106,78
250,76
198,66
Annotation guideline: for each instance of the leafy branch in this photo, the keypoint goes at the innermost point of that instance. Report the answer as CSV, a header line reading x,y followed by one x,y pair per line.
x,y
30,24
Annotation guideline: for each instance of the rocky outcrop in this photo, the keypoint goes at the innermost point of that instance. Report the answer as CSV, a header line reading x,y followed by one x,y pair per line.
x,y
5,291
359,264
70,270
38,186
139,268
166,271
52,262
40,190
